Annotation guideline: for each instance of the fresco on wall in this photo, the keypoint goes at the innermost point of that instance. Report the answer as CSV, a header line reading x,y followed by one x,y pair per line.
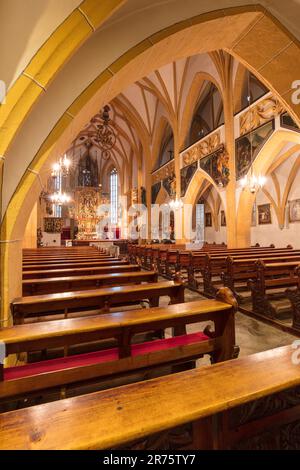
x,y
186,175
294,211
208,219
169,184
264,214
254,140
217,166
154,191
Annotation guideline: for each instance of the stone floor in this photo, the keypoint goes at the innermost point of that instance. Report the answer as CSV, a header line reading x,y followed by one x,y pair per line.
x,y
251,335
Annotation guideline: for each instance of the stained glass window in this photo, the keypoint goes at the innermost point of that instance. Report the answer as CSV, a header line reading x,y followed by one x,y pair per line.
x,y
114,196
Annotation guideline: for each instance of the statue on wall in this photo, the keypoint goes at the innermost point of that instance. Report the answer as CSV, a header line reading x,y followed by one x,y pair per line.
x,y
169,184
39,236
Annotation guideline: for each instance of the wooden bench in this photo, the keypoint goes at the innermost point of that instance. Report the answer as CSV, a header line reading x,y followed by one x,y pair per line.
x,y
199,269
126,356
62,260
239,271
72,283
81,271
101,299
77,264
249,403
269,278
215,265
294,297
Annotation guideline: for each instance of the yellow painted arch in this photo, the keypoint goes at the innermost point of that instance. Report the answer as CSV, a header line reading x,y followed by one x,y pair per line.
x,y
129,62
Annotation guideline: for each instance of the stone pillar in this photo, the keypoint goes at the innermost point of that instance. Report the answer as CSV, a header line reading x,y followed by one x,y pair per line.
x,y
230,147
30,235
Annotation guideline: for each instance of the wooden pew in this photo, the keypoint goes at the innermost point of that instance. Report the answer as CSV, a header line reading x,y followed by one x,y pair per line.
x,y
77,264
101,299
68,260
239,271
171,263
126,356
81,271
72,283
270,277
249,403
215,265
294,297
199,264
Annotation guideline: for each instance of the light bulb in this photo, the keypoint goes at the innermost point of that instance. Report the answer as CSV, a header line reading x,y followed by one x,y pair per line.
x,y
244,181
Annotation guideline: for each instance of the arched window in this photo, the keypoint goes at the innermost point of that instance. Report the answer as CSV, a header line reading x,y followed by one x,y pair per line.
x,y
166,151
87,171
114,196
252,90
209,114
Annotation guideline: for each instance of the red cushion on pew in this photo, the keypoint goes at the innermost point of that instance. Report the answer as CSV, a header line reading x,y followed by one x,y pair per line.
x,y
160,344
97,357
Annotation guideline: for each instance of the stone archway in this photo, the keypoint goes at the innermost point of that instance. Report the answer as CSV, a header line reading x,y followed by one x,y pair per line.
x,y
261,165
251,35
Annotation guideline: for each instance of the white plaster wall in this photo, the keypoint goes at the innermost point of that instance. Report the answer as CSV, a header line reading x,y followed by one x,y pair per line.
x,y
271,233
212,236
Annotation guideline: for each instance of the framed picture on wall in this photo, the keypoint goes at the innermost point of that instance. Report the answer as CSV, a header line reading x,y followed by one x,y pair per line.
x,y
208,219
294,211
223,219
264,214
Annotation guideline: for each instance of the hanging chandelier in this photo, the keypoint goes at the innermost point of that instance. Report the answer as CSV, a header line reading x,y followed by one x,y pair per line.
x,y
105,134
60,199
251,181
176,204
62,167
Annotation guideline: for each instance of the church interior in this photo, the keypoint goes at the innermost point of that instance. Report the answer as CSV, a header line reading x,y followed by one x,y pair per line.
x,y
150,225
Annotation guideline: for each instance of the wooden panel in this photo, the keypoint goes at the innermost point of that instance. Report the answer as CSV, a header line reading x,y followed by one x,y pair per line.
x,y
96,421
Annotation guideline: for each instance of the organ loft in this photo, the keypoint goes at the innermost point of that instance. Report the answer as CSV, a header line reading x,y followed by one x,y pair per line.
x,y
150,215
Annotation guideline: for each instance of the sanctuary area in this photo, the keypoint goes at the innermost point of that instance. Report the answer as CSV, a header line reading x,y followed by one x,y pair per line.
x,y
150,225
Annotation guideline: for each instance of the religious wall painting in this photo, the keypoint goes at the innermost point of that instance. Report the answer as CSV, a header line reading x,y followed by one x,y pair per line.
x,y
208,219
216,166
169,184
264,214
53,224
186,175
294,211
155,188
248,146
223,219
